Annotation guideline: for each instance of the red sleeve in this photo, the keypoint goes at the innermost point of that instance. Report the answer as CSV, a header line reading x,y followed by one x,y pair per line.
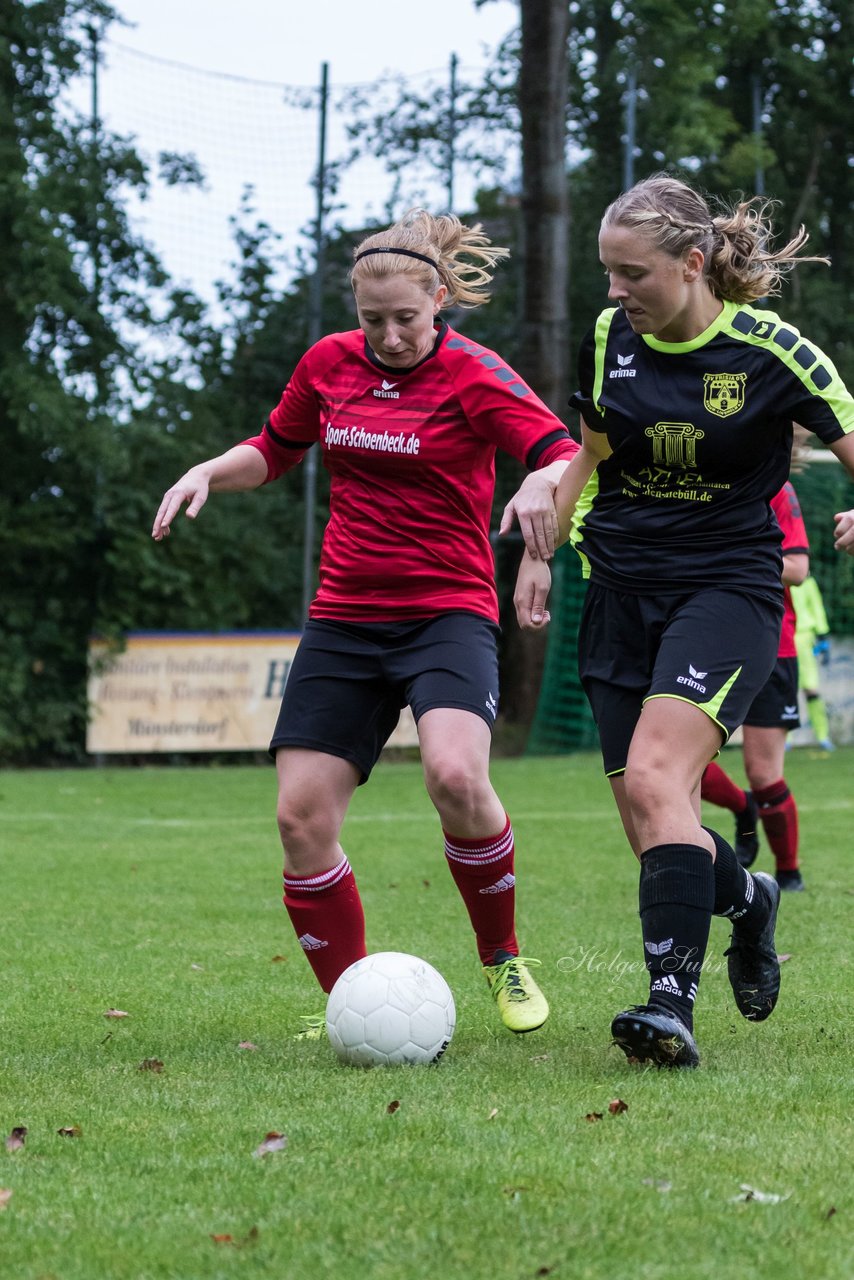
x,y
502,408
293,426
787,509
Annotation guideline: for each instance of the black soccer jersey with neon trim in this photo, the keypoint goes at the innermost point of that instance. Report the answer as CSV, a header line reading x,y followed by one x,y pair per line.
x,y
701,434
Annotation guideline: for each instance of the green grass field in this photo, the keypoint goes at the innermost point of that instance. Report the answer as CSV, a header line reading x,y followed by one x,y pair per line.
x,y
157,892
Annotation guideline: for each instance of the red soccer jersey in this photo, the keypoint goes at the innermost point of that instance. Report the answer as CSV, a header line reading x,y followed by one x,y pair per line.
x,y
787,509
411,456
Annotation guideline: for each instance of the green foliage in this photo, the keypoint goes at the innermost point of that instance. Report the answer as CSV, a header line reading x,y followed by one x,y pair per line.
x,y
113,380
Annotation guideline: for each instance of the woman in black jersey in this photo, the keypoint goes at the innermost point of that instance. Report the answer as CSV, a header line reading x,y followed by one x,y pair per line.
x,y
687,393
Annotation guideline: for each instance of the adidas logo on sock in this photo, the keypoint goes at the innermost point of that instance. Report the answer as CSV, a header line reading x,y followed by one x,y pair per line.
x,y
667,983
502,885
309,943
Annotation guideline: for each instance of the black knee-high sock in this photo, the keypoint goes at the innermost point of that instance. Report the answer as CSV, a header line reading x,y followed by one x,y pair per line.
x,y
676,895
738,894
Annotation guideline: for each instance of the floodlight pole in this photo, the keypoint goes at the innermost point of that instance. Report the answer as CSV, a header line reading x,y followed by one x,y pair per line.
x,y
452,129
315,325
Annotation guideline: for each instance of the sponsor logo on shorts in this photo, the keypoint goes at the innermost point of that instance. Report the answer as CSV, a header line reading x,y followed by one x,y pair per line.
x,y
790,713
491,705
693,680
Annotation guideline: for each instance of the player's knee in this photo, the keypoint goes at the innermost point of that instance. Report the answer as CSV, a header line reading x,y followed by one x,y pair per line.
x,y
302,827
453,782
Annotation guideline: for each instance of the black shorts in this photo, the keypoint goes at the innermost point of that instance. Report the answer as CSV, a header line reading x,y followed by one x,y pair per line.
x,y
713,648
776,706
348,682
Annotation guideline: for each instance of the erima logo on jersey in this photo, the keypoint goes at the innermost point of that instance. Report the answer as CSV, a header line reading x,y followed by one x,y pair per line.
x,y
693,680
623,370
386,391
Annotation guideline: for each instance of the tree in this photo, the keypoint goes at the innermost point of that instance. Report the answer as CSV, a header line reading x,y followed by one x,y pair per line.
x,y
78,290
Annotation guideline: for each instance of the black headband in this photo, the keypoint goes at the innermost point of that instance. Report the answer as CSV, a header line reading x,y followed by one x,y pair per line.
x,y
407,253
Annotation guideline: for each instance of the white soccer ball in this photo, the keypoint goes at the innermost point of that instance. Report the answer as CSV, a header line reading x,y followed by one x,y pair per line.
x,y
390,1008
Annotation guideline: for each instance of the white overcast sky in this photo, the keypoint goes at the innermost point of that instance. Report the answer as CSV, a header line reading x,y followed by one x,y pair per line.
x,y
204,76
287,41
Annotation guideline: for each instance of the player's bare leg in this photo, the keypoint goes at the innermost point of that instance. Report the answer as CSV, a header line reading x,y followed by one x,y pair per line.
x,y
479,847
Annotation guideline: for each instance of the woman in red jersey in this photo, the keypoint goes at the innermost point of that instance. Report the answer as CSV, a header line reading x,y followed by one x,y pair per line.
x,y
767,724
408,414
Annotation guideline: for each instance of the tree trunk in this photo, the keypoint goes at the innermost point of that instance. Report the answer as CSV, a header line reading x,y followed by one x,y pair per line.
x,y
544,360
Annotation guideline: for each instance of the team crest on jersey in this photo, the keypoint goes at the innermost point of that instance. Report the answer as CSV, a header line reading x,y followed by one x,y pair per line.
x,y
723,393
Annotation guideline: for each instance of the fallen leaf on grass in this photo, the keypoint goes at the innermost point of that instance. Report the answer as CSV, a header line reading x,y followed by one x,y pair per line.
x,y
70,1131
392,1107
493,1113
543,1271
198,967
227,1238
150,1064
617,1106
278,960
541,1057
749,1193
247,1044
783,958
593,1116
6,1194
15,1140
116,1013
273,1142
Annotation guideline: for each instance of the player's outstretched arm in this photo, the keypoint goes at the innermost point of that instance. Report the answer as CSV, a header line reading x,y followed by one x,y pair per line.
x,y
844,531
242,467
532,591
533,505
594,449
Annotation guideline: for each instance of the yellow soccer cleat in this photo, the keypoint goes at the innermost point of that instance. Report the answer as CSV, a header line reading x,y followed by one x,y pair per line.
x,y
313,1028
521,1003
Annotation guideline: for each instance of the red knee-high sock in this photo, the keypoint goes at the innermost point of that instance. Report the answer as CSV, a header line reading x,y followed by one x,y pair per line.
x,y
779,815
718,788
326,912
483,873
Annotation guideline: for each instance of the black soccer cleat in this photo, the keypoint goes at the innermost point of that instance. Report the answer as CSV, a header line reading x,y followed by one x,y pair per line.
x,y
647,1033
791,881
752,964
746,832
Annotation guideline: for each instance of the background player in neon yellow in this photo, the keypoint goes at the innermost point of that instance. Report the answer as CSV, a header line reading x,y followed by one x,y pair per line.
x,y
687,394
812,638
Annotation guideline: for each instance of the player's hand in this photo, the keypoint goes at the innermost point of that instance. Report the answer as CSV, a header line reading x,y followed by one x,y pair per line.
x,y
192,488
533,506
844,532
532,591
821,650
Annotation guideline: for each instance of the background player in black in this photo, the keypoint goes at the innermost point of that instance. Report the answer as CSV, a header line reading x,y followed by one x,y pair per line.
x,y
406,609
687,395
